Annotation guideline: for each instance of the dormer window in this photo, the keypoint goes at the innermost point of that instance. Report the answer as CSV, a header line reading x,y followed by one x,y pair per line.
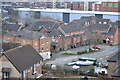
x,y
100,22
105,23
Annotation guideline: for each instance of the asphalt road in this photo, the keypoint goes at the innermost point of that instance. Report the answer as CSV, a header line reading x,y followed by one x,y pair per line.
x,y
101,56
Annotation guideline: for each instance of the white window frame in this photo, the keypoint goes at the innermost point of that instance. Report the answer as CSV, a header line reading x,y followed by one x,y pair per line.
x,y
29,69
34,68
24,74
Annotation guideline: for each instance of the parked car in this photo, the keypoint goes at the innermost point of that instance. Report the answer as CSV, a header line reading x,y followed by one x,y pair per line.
x,y
96,47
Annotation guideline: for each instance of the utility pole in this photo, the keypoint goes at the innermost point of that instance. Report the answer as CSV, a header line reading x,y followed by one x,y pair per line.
x,y
85,5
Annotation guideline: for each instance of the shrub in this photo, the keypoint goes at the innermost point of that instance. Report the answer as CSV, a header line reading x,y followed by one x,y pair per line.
x,y
111,45
68,54
82,52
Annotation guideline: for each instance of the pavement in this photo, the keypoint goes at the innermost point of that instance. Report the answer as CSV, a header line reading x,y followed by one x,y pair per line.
x,y
101,56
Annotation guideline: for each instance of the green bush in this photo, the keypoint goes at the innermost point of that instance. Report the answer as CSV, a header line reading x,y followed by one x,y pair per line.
x,y
110,44
82,52
68,54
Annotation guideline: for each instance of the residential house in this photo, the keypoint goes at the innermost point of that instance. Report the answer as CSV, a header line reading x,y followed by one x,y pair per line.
x,y
12,28
57,40
113,34
108,32
21,62
100,29
71,34
114,65
40,42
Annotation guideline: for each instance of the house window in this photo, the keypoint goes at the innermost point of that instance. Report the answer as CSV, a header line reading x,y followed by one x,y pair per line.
x,y
116,5
29,69
110,4
42,42
5,75
104,4
47,48
36,43
23,41
34,68
24,74
47,41
42,48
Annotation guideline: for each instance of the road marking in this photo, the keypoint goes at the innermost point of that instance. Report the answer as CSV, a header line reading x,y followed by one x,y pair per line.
x,y
103,57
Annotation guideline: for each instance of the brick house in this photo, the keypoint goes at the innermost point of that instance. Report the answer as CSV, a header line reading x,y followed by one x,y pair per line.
x,y
21,62
56,40
113,34
40,42
114,65
108,32
72,34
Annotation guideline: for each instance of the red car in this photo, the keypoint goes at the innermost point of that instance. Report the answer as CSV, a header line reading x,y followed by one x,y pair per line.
x,y
95,47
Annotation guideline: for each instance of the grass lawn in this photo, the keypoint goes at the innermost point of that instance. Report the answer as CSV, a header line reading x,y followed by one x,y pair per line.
x,y
68,54
55,51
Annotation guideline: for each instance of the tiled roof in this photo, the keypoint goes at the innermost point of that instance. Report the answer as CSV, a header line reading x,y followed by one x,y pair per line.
x,y
99,26
7,46
56,33
48,25
111,31
72,28
115,57
23,57
33,35
11,27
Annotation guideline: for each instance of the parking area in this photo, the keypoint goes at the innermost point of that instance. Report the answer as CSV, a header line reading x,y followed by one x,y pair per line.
x,y
101,56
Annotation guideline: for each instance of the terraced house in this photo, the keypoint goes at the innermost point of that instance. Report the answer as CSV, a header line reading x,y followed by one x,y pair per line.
x,y
40,42
21,62
66,37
